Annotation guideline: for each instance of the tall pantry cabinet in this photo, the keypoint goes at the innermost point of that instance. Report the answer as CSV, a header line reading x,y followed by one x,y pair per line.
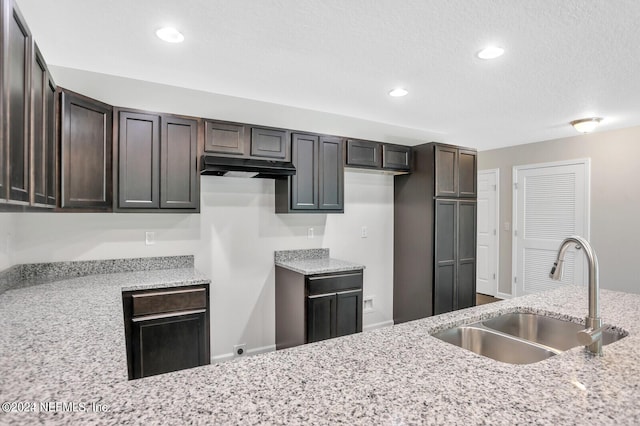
x,y
435,233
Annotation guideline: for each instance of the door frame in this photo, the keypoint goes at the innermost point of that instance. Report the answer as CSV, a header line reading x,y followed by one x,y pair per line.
x,y
495,172
586,162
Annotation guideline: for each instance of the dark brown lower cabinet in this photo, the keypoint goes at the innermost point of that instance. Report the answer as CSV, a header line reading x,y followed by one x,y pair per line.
x,y
166,329
310,308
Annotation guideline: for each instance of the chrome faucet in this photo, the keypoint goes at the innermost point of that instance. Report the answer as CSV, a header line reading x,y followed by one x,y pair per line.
x,y
591,337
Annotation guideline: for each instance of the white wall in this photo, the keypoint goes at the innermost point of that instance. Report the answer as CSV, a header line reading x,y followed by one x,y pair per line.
x,y
233,240
6,238
615,198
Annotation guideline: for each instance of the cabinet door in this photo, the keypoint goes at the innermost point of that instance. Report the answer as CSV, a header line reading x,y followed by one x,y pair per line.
x,y
178,177
348,313
321,317
224,138
17,58
466,285
169,343
445,252
331,180
139,160
467,174
446,171
363,153
304,184
268,143
396,157
85,153
50,135
39,87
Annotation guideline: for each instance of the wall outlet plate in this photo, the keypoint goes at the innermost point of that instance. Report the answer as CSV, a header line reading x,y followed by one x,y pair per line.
x,y
239,350
364,232
149,238
367,304
310,233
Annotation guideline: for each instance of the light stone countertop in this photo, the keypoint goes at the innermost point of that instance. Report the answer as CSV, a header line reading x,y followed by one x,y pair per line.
x,y
64,342
313,261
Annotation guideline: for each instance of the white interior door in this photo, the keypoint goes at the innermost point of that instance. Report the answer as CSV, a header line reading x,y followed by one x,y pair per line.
x,y
488,225
551,202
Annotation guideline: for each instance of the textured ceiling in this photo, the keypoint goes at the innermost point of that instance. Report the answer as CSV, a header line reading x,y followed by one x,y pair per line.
x,y
564,59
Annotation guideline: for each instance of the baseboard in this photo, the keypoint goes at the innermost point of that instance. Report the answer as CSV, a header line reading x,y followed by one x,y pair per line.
x,y
503,295
377,325
229,355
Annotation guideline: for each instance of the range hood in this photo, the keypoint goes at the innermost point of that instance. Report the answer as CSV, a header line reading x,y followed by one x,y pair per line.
x,y
245,167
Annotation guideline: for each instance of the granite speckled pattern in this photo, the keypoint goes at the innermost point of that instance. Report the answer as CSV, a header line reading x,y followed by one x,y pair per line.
x,y
36,273
64,342
313,261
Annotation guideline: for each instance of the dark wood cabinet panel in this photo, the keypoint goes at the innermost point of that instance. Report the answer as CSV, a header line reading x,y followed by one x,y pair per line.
x,y
331,179
321,315
316,307
164,335
179,174
396,157
348,313
434,235
363,153
467,176
51,142
17,53
139,160
446,167
39,83
268,143
86,153
304,184
225,138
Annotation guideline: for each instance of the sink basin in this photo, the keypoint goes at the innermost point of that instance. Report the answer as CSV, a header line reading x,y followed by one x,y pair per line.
x,y
552,332
494,345
519,338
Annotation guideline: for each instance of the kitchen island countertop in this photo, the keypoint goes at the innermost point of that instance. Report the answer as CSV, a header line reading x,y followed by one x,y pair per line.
x,y
64,342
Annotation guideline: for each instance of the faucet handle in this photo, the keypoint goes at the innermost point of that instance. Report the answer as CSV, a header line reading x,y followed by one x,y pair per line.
x,y
589,336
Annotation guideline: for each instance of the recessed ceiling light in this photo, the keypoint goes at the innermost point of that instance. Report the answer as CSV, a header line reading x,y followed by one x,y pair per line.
x,y
398,92
490,52
170,35
586,125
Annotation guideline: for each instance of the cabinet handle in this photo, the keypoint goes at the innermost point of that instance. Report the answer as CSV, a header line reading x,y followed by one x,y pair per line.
x,y
334,293
168,315
349,291
334,276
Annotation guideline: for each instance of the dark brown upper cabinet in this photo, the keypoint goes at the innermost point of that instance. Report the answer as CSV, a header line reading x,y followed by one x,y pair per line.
x,y
85,153
378,156
16,79
455,172
43,164
363,153
157,163
229,139
318,185
268,143
224,138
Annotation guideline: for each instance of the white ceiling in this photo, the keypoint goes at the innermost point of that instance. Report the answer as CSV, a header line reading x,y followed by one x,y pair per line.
x,y
565,59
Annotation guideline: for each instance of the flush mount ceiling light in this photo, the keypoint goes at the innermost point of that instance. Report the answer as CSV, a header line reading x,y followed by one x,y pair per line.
x,y
586,125
398,92
490,52
170,35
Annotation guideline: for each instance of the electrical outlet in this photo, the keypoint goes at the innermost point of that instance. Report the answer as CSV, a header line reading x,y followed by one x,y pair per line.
x,y
239,350
367,304
364,232
507,226
149,238
310,233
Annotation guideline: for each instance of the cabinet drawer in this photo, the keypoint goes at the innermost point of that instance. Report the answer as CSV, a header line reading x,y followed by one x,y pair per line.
x,y
169,301
324,284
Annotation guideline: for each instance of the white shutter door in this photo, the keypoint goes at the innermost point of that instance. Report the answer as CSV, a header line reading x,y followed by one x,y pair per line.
x,y
551,203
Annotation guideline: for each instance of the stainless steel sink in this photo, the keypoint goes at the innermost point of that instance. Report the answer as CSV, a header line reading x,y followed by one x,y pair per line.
x,y
494,345
519,338
552,332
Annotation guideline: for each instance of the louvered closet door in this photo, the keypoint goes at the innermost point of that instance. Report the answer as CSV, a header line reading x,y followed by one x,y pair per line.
x,y
551,202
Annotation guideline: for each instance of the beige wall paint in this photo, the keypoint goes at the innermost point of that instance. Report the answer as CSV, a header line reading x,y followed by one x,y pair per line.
x,y
615,198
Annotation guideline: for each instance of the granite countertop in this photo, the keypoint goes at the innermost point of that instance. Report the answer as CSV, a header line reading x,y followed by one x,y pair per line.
x,y
313,261
63,342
